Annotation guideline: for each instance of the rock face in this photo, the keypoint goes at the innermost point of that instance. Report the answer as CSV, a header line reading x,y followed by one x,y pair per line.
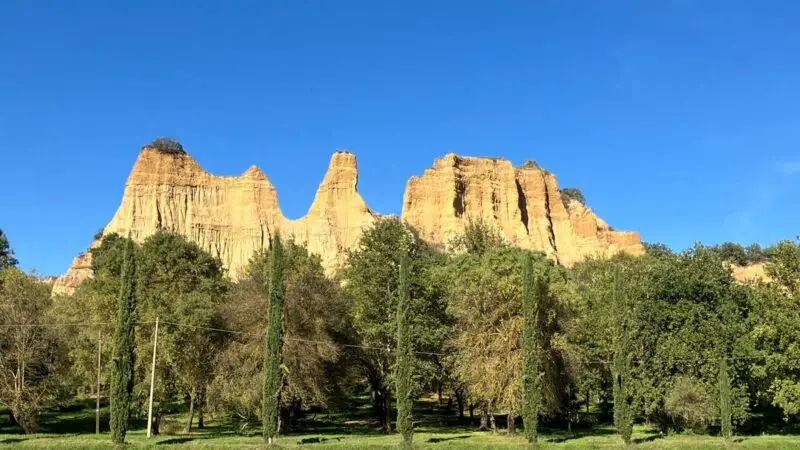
x,y
752,272
232,217
523,203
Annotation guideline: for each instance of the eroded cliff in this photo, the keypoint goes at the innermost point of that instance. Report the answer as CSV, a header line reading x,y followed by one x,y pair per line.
x,y
232,217
523,203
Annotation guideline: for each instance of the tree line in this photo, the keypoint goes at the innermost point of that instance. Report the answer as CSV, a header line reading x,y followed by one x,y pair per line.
x,y
497,333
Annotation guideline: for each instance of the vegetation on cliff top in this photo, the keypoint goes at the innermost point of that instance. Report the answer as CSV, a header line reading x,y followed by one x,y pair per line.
x,y
168,145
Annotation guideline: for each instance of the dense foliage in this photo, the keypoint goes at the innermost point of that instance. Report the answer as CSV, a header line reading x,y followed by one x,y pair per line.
x,y
404,360
167,145
669,340
272,377
6,252
570,194
124,346
32,358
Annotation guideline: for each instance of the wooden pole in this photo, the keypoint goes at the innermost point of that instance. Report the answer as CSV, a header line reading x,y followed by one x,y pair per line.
x,y
97,410
152,384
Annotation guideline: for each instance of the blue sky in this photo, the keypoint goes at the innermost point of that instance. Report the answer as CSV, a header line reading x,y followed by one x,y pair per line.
x,y
679,119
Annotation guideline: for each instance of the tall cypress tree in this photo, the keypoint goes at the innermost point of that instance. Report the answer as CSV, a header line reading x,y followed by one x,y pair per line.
x,y
532,292
623,416
273,350
122,379
404,360
725,400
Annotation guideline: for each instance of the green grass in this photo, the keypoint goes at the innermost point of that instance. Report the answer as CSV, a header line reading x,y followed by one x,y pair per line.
x,y
73,427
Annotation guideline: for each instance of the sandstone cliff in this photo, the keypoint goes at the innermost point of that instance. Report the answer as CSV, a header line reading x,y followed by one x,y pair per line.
x,y
232,217
523,203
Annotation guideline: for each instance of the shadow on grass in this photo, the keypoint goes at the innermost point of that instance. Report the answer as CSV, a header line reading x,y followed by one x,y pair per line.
x,y
650,438
578,434
177,440
435,440
317,440
12,441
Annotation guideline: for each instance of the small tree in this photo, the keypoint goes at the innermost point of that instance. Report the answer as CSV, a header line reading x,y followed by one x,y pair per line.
x,y
569,194
33,358
726,429
623,416
6,253
273,380
404,362
122,380
530,351
167,145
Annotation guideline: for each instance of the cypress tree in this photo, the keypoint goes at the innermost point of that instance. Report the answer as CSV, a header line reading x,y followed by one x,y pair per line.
x,y
725,400
122,379
623,417
273,350
533,287
404,359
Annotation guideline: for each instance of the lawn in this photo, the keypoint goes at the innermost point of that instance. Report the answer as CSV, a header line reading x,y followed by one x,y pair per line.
x,y
73,427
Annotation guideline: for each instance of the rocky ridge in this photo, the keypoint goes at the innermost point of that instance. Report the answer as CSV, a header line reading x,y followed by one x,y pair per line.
x,y
232,217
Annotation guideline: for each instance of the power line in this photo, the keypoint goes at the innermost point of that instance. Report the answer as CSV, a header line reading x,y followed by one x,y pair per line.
x,y
366,347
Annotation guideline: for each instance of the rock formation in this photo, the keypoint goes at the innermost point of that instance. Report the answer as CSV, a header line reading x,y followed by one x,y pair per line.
x,y
523,203
232,217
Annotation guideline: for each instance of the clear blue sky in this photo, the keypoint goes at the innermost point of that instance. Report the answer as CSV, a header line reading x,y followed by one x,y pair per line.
x,y
679,119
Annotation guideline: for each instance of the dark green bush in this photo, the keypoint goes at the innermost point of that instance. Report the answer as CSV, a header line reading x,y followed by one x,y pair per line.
x,y
167,145
569,194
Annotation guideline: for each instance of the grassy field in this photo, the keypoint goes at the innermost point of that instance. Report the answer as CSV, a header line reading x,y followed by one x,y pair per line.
x,y
73,427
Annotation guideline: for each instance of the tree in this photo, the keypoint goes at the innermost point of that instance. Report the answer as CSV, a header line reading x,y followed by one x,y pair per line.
x,y
371,280
485,293
183,286
532,289
478,237
623,414
572,194
784,267
6,253
404,355
124,346
32,357
315,319
775,331
168,145
657,249
95,301
725,399
273,379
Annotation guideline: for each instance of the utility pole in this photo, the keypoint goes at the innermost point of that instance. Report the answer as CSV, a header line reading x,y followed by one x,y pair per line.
x,y
152,384
97,410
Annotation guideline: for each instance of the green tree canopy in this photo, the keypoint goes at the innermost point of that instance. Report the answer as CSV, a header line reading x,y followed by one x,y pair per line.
x,y
6,252
371,279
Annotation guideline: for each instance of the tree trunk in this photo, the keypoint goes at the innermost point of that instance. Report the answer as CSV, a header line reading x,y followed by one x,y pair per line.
x,y
471,413
190,416
484,417
201,402
512,426
439,392
491,420
11,418
286,419
156,425
387,411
